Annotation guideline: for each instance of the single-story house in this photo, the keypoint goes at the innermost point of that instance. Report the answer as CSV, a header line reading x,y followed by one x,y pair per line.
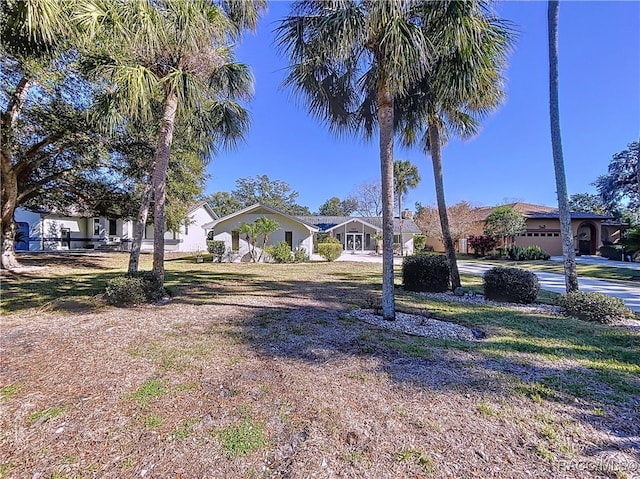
x,y
46,230
590,231
357,234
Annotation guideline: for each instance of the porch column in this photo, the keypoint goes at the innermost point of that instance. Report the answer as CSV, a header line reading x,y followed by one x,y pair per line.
x,y
362,240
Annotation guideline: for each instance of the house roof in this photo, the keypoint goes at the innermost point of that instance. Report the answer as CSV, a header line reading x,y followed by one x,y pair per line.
x,y
258,206
204,205
327,223
532,211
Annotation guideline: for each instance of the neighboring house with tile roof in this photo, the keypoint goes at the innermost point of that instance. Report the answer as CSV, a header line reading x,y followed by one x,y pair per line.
x,y
47,230
357,234
590,230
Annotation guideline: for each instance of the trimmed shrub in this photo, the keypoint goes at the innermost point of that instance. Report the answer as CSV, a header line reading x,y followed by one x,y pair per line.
x,y
512,285
611,252
330,250
419,242
217,248
425,272
596,307
528,253
134,288
280,253
300,255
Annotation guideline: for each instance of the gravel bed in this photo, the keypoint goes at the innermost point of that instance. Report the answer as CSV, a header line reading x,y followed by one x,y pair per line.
x,y
417,325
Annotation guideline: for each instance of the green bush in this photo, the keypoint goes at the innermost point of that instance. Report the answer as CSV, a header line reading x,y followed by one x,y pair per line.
x,y
528,253
217,248
134,288
511,284
330,250
280,253
329,239
425,272
596,307
419,242
611,252
300,255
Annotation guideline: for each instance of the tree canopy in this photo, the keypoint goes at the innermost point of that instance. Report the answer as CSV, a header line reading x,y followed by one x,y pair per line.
x,y
505,222
257,189
336,207
621,184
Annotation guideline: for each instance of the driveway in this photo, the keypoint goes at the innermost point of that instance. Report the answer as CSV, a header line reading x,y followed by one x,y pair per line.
x,y
550,281
555,282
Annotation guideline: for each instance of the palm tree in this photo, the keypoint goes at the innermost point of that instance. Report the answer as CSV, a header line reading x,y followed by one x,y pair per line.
x,y
265,226
462,85
405,176
349,60
568,251
173,52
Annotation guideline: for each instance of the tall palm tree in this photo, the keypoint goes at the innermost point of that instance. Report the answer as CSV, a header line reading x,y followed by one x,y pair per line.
x,y
405,176
568,251
462,85
173,52
349,60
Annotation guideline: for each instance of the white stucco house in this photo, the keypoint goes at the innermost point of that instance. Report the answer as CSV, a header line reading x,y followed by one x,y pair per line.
x,y
357,234
42,230
296,232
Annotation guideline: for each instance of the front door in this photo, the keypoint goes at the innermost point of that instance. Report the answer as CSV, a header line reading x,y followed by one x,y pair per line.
x,y
65,238
354,242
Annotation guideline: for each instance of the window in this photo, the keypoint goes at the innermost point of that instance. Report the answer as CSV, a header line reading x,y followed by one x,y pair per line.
x,y
96,226
339,237
396,239
112,228
288,237
235,240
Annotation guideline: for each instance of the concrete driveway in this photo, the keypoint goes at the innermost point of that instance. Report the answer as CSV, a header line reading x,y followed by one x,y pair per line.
x,y
555,282
550,281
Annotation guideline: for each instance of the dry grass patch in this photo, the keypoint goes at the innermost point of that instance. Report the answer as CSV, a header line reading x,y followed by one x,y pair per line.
x,y
258,371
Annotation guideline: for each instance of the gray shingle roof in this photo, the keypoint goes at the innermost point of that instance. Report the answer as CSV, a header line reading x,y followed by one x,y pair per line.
x,y
325,223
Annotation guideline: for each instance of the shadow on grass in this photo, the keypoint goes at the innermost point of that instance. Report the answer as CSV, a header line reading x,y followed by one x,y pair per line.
x,y
300,312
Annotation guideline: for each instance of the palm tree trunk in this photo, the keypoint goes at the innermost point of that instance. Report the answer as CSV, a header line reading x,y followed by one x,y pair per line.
x,y
385,119
161,166
138,228
568,248
400,220
435,149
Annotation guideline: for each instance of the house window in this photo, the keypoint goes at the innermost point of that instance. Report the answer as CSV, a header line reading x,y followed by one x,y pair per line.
x,y
367,241
288,237
339,237
96,226
112,228
235,240
396,239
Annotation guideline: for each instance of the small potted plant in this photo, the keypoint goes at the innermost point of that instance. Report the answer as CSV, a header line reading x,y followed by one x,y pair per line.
x,y
199,257
378,239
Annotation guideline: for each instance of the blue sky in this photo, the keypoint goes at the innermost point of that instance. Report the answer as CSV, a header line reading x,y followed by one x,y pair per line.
x,y
510,160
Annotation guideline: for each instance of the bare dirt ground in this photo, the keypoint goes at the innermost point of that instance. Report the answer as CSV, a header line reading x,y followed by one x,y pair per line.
x,y
153,392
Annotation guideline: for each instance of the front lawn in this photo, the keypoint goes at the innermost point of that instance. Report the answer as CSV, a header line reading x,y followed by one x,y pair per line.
x,y
259,371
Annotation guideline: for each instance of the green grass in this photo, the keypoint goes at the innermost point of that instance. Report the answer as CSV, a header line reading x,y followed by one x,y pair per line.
x,y
583,359
151,389
243,438
46,414
7,392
